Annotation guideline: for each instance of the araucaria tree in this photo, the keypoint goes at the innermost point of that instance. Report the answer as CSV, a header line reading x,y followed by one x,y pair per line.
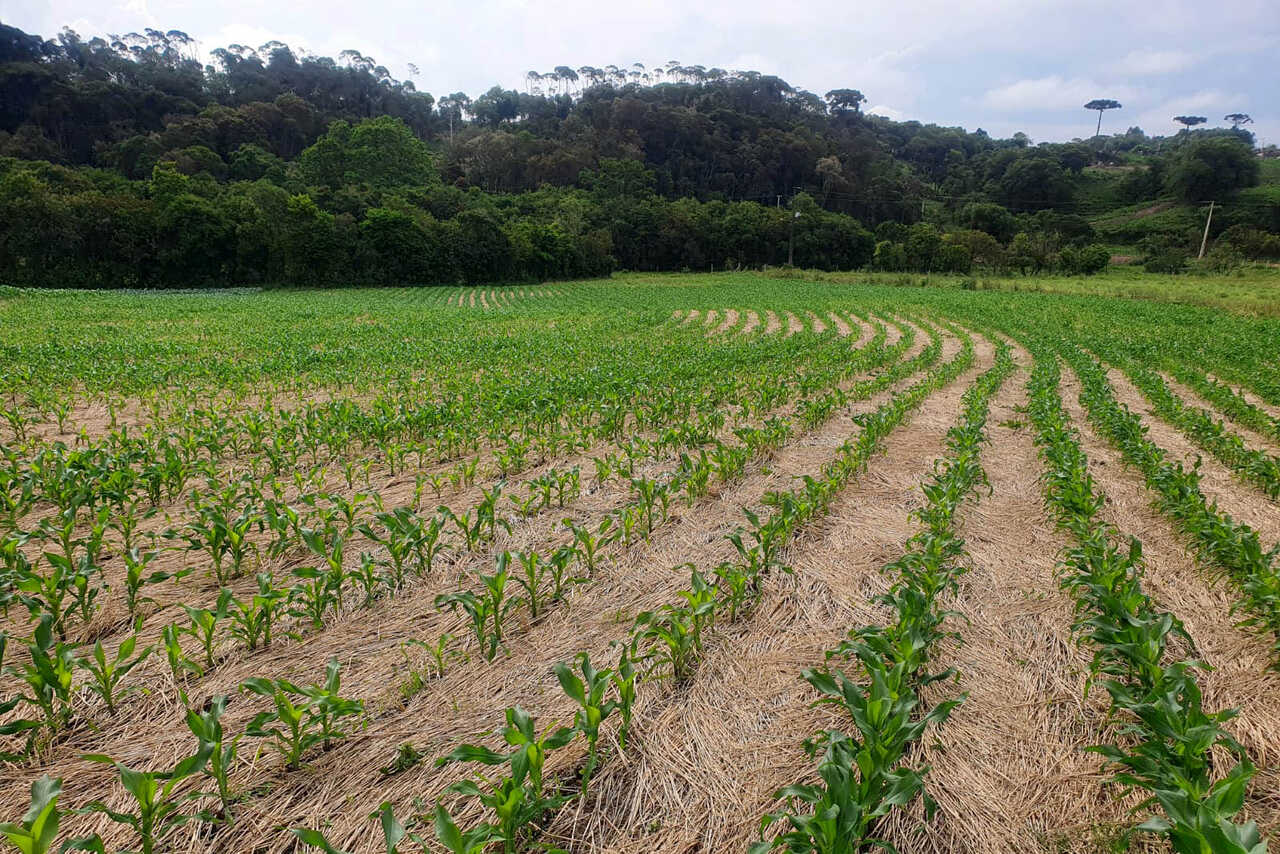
x,y
1101,105
1188,122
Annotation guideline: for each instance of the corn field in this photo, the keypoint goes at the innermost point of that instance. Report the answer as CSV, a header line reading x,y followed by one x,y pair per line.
x,y
663,563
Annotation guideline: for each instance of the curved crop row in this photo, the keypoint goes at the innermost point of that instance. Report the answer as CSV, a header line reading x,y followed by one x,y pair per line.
x,y
863,775
1220,541
1165,742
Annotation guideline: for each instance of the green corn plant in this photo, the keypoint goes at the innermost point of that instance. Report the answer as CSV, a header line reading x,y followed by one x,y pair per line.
x,y
45,593
252,619
223,535
105,676
532,578
488,609
695,476
86,586
587,543
206,725
456,841
38,830
557,570
487,519
158,807
652,497
673,634
588,691
729,461
518,801
627,519
527,506
203,624
404,536
832,817
303,716
47,677
180,664
604,470
393,833
625,679
368,578
316,593
441,654
541,487
568,485
137,577
736,585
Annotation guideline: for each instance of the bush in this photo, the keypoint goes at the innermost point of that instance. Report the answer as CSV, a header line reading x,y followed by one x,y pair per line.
x,y
1211,169
953,258
1252,243
1169,261
890,257
1084,261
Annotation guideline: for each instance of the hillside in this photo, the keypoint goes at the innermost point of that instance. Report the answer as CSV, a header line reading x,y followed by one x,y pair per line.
x,y
126,162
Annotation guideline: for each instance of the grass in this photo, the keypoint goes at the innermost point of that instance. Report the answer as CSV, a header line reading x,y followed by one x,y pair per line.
x,y
1252,289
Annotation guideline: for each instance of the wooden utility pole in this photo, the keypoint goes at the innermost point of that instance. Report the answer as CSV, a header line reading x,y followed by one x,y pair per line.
x,y
1205,239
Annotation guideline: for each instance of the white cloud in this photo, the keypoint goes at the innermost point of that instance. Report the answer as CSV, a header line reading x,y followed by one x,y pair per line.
x,y
1053,93
886,111
1156,61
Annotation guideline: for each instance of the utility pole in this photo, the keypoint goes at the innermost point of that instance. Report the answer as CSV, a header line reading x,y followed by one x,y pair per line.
x,y
791,240
1205,239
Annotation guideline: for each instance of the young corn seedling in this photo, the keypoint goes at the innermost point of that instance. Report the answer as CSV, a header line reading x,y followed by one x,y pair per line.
x,y
588,691
106,675
441,654
517,801
223,535
587,543
38,831
673,634
180,664
653,497
456,841
625,679
532,578
203,624
487,610
137,577
303,716
736,586
393,833
400,533
157,805
48,678
45,593
206,725
252,619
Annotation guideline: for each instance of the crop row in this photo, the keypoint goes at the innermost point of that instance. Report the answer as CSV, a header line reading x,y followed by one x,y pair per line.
x,y
1220,541
1165,740
864,776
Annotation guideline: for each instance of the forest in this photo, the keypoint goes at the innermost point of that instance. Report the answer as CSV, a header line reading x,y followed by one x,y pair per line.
x,y
125,162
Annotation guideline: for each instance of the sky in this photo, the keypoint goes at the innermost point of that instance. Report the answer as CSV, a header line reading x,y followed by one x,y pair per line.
x,y
1002,65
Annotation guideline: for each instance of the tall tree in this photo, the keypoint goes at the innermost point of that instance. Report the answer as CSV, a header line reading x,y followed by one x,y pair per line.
x,y
845,100
1238,119
1101,105
1188,122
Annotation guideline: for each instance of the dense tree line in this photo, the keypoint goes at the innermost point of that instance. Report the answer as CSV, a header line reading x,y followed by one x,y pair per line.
x,y
124,161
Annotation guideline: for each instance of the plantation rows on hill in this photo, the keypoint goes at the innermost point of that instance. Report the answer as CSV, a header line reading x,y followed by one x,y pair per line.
x,y
657,564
